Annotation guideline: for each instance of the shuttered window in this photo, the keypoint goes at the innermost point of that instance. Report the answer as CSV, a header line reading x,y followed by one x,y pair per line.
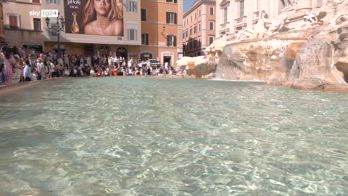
x,y
171,40
132,6
143,14
171,18
13,22
145,39
37,24
132,34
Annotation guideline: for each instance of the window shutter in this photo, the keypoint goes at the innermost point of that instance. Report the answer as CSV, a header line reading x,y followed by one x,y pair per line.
x,y
168,17
168,40
174,40
175,18
13,21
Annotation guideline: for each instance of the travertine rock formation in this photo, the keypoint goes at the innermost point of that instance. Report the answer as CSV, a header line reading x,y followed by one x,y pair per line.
x,y
313,55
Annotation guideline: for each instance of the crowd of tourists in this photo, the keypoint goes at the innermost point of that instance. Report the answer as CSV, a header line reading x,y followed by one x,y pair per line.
x,y
20,65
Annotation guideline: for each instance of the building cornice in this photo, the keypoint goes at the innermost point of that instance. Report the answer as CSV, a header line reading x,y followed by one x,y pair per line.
x,y
224,3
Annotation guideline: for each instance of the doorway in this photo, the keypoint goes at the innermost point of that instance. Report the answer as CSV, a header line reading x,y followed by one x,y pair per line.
x,y
88,50
122,52
167,60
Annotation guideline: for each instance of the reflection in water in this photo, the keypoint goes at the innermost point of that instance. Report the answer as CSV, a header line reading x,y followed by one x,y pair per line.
x,y
172,137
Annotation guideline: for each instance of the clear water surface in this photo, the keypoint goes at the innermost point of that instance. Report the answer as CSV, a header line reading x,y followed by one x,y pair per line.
x,y
144,136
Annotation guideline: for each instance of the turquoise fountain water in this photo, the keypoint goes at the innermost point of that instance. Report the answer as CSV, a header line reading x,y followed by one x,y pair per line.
x,y
142,136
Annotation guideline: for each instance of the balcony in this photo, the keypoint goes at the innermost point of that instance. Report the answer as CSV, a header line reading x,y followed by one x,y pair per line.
x,y
240,22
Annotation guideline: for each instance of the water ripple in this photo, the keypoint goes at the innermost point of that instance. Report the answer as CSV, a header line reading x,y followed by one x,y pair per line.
x,y
141,136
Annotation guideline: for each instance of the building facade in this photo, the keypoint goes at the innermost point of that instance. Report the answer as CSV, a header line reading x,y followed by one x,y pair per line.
x,y
161,27
85,32
80,38
2,35
22,27
199,27
236,15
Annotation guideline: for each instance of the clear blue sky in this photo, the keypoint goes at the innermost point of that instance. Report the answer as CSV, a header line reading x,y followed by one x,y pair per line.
x,y
187,4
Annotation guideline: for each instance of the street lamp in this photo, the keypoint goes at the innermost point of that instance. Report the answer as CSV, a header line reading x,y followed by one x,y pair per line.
x,y
57,28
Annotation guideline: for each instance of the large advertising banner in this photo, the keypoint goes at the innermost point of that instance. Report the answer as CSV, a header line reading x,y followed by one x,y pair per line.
x,y
94,17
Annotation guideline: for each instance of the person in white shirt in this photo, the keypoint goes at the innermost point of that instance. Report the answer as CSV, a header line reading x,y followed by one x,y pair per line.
x,y
41,68
51,68
27,71
130,63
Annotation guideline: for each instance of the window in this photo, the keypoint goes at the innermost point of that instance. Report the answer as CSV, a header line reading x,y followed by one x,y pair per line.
x,y
211,11
224,15
171,18
211,40
241,8
13,22
199,12
199,27
195,16
143,14
211,25
171,1
195,29
191,31
145,39
132,6
37,24
52,1
132,34
35,1
171,40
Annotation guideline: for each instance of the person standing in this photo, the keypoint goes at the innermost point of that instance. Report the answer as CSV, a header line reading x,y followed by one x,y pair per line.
x,y
7,64
27,71
41,69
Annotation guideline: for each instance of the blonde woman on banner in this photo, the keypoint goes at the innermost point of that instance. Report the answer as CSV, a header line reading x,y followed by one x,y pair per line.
x,y
103,17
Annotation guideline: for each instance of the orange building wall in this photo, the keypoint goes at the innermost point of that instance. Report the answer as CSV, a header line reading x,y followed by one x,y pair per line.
x,y
157,28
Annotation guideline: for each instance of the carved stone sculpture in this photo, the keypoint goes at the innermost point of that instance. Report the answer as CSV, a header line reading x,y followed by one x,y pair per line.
x,y
278,24
261,25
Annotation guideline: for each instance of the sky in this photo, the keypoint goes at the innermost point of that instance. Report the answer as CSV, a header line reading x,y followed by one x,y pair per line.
x,y
187,4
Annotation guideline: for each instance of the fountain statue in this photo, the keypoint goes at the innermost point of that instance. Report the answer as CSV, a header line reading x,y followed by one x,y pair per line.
x,y
311,54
